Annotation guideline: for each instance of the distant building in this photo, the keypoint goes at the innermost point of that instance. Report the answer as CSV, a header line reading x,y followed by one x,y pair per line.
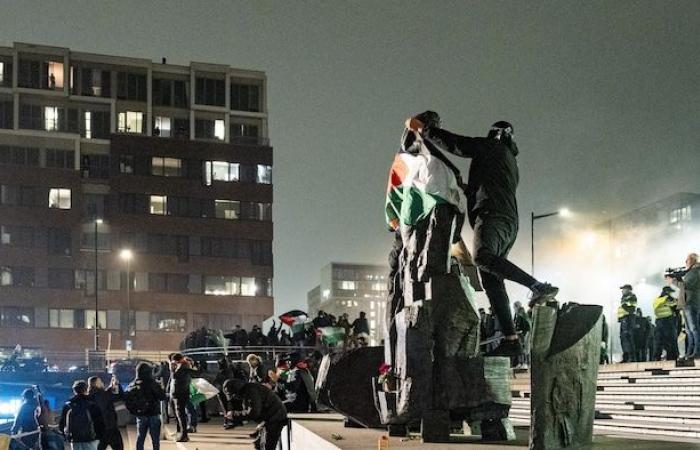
x,y
102,153
657,222
351,288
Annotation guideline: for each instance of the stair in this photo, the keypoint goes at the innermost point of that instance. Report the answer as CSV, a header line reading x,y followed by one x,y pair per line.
x,y
653,399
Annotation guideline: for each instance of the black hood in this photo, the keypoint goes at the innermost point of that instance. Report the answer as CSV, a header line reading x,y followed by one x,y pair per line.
x,y
144,371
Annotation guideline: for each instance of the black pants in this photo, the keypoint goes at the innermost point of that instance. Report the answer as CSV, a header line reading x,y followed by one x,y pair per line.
x,y
494,237
665,339
111,438
180,407
271,437
629,350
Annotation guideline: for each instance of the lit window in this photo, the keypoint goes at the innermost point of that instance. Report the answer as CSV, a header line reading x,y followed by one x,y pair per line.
x,y
377,286
221,285
326,293
59,198
162,127
55,75
227,209
219,130
264,174
2,72
220,171
347,285
248,287
62,318
158,204
90,319
88,125
166,167
130,122
50,118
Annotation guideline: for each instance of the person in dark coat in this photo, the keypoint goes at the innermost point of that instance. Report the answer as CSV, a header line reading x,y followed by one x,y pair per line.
x,y
180,380
27,419
493,214
265,408
80,401
153,393
104,399
360,325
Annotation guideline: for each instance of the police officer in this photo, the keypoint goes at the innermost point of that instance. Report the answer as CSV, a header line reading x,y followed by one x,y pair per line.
x,y
665,334
626,317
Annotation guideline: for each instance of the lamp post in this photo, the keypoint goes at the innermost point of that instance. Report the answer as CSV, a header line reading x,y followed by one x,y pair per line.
x,y
126,255
564,212
96,324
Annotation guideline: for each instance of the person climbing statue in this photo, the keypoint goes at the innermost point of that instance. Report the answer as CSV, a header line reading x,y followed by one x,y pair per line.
x,y
493,214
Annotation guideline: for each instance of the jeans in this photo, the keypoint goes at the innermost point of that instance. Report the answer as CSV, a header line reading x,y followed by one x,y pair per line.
x,y
192,416
692,326
145,425
92,445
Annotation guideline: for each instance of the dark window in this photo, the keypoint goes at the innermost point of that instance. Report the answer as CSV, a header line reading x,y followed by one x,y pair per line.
x,y
19,195
134,241
261,253
170,93
31,117
157,282
95,124
209,91
209,129
245,133
133,203
14,317
17,236
87,241
61,279
177,283
60,159
131,86
29,73
180,91
182,248
59,241
94,205
20,156
96,166
245,97
166,167
6,114
91,82
181,128
161,244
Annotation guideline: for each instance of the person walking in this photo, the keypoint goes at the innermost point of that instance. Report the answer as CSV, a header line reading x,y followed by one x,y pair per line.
x,y
689,300
104,399
493,214
665,332
81,420
143,399
626,317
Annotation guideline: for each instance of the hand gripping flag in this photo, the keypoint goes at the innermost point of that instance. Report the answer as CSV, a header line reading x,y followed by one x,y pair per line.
x,y
294,319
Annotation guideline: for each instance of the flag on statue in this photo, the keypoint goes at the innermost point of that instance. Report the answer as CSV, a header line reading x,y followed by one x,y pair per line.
x,y
294,319
332,335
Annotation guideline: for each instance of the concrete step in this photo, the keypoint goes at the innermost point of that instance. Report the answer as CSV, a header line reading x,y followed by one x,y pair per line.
x,y
630,427
690,418
653,389
681,408
673,381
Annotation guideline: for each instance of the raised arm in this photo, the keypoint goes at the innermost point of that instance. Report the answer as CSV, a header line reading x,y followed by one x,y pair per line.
x,y
464,146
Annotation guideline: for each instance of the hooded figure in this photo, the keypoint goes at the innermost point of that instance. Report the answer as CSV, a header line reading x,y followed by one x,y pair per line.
x,y
262,406
493,214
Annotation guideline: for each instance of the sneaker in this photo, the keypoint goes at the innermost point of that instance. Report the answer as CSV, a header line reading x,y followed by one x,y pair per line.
x,y
507,348
541,293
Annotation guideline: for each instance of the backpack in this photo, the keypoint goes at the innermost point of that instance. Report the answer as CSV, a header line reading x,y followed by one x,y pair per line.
x,y
79,424
137,401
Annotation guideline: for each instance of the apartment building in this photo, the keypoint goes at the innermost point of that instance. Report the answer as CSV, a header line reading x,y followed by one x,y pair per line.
x,y
351,288
134,195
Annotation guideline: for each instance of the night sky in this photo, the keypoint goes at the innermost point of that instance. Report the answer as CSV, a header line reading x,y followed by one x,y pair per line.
x,y
604,97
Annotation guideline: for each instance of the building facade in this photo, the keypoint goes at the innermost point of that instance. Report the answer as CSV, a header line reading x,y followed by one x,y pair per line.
x,y
100,154
352,288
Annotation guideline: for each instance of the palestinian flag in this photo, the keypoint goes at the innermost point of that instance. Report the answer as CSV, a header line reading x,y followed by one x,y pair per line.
x,y
419,180
331,335
294,319
201,390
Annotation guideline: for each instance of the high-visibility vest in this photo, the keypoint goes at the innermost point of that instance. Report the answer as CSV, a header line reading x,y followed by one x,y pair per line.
x,y
627,306
663,306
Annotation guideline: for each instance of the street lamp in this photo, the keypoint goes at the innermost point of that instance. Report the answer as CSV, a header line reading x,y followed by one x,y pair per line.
x,y
564,212
126,255
97,332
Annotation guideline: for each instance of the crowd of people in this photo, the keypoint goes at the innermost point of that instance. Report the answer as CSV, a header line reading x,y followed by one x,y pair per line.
x,y
674,317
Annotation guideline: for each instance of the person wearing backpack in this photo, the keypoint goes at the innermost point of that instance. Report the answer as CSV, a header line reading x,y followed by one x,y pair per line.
x,y
81,420
142,398
104,399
